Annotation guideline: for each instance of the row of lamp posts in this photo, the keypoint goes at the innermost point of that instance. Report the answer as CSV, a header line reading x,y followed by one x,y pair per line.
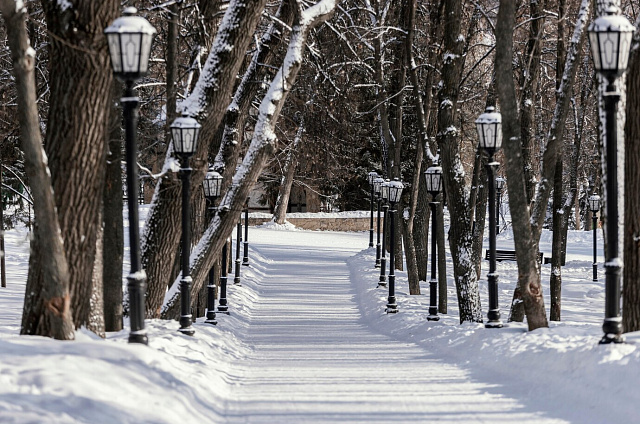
x,y
129,38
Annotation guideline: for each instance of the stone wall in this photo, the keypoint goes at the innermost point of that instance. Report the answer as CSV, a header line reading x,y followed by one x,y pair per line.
x,y
325,223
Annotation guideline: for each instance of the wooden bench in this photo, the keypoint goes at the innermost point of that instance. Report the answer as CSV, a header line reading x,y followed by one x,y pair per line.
x,y
548,261
510,255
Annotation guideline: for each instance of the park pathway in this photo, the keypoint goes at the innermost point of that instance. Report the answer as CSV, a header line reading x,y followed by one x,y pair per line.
x,y
314,360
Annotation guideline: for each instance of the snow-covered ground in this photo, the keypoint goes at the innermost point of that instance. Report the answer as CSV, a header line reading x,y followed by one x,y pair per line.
x,y
308,341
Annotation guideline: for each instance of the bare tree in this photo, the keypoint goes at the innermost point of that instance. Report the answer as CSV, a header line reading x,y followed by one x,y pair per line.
x,y
47,309
289,168
262,146
208,101
631,271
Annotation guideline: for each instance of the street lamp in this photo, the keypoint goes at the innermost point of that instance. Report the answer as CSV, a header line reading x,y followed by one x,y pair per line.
x,y
433,176
236,278
371,176
211,184
223,305
610,38
500,182
245,258
395,191
489,126
184,133
129,39
377,187
384,191
594,204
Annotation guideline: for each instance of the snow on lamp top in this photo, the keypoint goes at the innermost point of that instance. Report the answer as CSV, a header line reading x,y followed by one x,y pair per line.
x,y
395,190
184,132
594,203
433,175
500,182
129,38
489,126
610,38
377,185
211,184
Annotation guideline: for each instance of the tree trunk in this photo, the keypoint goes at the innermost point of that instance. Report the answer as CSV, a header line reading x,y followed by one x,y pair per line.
x,y
113,239
555,283
262,146
555,280
442,260
80,80
529,83
460,240
280,212
96,322
631,270
47,301
209,101
528,272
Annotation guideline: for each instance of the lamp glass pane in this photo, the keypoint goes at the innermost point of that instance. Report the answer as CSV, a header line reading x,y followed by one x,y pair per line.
x,y
625,48
145,52
130,52
113,39
395,191
595,51
385,191
372,176
377,185
176,135
609,50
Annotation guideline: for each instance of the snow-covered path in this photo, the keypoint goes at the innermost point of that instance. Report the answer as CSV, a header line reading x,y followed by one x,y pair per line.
x,y
315,359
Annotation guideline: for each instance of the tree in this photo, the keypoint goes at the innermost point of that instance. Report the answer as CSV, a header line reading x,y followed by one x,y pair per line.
x,y
262,146
46,311
288,170
631,272
455,185
208,101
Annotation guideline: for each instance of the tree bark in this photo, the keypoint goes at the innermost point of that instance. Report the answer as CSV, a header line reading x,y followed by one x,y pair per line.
x,y
47,304
528,273
460,240
529,83
209,101
113,238
280,210
80,79
262,146
631,270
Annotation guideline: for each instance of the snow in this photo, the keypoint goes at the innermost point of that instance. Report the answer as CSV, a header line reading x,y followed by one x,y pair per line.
x,y
308,341
64,5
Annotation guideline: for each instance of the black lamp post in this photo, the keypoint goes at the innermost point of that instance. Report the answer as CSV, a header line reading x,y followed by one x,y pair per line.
x,y
395,191
433,176
371,176
184,133
610,37
236,278
489,126
384,191
223,305
129,38
211,184
500,182
594,204
245,258
377,187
